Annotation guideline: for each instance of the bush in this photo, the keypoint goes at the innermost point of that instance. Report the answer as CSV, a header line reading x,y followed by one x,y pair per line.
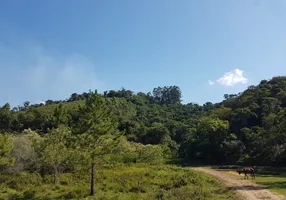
x,y
131,152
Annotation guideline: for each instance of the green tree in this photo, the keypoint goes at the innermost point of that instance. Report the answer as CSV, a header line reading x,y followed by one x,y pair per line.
x,y
55,150
32,118
212,129
74,97
167,95
60,116
99,131
6,118
26,104
6,146
223,113
211,134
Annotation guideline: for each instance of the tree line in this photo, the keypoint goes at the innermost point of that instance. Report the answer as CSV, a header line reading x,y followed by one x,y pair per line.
x,y
245,128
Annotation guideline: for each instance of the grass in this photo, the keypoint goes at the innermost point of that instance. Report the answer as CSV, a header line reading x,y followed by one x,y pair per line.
x,y
49,109
123,182
275,183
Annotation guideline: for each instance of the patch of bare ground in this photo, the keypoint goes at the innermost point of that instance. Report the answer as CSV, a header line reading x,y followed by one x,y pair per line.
x,y
244,188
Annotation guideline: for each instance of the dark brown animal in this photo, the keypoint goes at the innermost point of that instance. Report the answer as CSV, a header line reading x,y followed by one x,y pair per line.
x,y
246,171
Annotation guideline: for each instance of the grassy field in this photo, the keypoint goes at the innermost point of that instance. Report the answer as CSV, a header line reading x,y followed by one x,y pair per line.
x,y
123,182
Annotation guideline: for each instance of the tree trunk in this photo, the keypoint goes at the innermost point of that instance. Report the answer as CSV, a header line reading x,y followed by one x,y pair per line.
x,y
92,179
55,177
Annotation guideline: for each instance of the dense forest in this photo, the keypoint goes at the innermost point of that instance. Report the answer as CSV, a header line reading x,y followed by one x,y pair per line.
x,y
92,129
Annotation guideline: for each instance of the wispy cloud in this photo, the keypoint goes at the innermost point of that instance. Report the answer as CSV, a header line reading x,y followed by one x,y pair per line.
x,y
37,73
231,78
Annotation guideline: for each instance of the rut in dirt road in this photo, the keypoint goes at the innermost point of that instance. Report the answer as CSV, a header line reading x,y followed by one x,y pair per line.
x,y
244,188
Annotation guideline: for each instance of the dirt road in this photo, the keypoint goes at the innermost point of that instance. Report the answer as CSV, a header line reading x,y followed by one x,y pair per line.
x,y
245,188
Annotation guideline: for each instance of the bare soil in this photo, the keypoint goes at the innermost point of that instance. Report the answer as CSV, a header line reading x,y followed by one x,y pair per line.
x,y
245,189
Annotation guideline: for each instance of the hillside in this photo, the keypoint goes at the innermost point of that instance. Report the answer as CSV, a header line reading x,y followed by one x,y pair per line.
x,y
94,149
245,128
65,147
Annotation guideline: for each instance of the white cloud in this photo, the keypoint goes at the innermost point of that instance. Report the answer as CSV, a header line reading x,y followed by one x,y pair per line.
x,y
37,73
231,78
43,102
38,102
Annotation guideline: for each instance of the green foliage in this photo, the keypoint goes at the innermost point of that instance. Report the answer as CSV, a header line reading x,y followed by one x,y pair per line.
x,y
68,142
98,128
6,145
212,129
60,117
98,131
95,118
167,95
6,118
68,149
120,182
131,152
255,121
55,152
245,128
272,181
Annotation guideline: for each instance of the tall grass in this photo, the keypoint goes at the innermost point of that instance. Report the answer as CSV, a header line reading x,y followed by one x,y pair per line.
x,y
121,182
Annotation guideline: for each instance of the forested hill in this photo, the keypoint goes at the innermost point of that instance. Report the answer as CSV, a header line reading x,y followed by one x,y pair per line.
x,y
245,128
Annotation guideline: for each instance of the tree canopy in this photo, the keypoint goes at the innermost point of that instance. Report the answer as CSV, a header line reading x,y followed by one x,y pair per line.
x,y
248,127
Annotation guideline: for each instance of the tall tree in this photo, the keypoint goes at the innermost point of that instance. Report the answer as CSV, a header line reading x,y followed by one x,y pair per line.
x,y
167,95
60,116
26,104
99,131
74,97
6,117
211,133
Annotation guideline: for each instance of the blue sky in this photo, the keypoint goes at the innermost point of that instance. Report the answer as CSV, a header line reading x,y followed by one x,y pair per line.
x,y
52,48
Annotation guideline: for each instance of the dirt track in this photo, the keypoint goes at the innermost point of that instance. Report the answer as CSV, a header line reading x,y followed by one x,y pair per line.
x,y
245,188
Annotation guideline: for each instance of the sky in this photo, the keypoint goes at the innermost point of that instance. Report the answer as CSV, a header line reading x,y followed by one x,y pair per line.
x,y
50,49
